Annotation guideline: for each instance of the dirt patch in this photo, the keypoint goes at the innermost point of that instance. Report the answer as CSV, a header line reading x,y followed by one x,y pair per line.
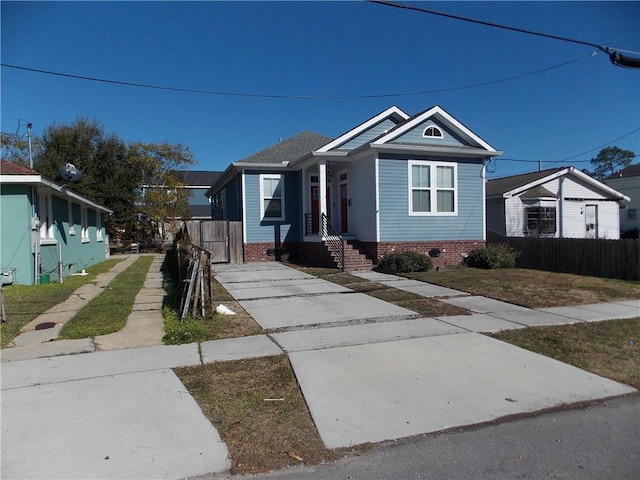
x,y
260,412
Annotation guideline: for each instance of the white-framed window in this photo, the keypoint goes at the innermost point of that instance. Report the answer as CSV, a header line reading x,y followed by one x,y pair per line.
x,y
45,214
99,236
84,231
432,132
271,197
433,188
540,220
72,228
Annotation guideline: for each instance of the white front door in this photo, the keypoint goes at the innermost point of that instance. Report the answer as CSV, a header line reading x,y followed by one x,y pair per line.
x,y
591,221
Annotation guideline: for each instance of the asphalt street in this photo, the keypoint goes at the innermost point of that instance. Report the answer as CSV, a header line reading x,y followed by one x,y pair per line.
x,y
597,442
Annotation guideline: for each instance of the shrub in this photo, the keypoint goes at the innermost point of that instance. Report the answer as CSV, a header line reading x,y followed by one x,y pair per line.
x,y
179,332
404,262
493,256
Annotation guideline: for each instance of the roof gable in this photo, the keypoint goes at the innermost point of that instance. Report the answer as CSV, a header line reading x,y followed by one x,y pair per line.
x,y
368,130
412,128
288,150
518,184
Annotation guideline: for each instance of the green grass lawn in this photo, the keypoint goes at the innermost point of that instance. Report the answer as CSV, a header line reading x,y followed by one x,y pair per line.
x,y
23,303
108,312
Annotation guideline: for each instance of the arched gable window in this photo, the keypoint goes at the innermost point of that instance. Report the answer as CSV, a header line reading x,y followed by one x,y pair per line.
x,y
433,132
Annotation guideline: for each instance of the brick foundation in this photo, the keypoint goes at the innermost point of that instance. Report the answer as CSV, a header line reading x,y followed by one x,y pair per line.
x,y
267,252
452,252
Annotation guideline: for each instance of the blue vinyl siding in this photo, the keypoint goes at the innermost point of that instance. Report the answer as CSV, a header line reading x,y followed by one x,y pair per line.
x,y
15,235
397,225
362,212
414,136
259,230
368,135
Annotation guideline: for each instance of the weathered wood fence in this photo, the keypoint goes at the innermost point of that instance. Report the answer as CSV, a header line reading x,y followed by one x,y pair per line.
x,y
220,237
599,258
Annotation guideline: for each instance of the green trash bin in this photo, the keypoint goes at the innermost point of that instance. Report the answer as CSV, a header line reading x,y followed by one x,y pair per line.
x,y
44,278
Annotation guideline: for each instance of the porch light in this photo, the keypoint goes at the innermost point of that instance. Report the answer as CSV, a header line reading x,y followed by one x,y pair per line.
x,y
329,175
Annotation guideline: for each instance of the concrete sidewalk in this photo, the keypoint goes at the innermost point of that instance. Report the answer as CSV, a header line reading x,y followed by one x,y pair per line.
x,y
369,371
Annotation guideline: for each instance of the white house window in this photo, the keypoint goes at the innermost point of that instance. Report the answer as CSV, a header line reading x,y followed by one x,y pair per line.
x,y
432,132
272,197
84,232
433,188
541,220
72,229
99,237
45,212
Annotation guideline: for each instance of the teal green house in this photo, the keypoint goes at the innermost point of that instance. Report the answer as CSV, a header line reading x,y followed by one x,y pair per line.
x,y
46,230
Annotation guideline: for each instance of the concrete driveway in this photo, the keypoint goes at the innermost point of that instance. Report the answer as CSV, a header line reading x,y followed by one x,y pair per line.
x,y
371,371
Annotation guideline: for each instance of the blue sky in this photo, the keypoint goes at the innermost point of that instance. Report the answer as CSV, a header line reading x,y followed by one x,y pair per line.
x,y
561,116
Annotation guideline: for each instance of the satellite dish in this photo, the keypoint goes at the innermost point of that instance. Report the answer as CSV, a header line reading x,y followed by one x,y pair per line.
x,y
69,172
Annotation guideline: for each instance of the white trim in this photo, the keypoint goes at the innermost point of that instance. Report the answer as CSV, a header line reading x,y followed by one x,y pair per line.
x,y
445,118
377,195
434,127
244,208
363,126
99,236
567,171
45,214
84,224
433,188
271,176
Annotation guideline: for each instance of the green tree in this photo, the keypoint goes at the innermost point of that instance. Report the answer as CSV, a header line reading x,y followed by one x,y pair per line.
x,y
609,160
16,149
162,198
108,178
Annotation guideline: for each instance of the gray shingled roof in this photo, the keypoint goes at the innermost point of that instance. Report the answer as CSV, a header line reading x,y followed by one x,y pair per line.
x,y
628,171
498,186
199,178
290,149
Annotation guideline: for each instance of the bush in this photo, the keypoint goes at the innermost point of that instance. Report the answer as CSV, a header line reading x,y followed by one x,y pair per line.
x,y
180,332
404,262
493,256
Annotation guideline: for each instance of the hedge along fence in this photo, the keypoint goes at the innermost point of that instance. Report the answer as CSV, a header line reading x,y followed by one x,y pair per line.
x,y
598,258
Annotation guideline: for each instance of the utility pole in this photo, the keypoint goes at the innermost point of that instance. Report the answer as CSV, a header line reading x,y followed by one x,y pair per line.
x,y
29,125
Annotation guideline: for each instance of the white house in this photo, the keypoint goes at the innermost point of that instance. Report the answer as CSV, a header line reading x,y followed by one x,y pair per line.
x,y
627,181
558,203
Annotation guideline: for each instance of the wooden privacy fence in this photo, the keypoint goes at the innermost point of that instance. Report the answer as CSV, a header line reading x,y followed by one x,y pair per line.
x,y
222,238
598,258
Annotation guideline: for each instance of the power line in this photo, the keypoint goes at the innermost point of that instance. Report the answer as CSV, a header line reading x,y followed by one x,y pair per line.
x,y
573,156
297,97
614,54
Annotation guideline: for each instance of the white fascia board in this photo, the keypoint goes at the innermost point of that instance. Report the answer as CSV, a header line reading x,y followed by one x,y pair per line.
x,y
86,201
313,157
535,183
440,151
598,184
571,171
363,126
261,166
24,179
446,119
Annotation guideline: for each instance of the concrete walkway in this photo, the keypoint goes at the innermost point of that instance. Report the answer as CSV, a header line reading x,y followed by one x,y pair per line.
x,y
369,371
144,327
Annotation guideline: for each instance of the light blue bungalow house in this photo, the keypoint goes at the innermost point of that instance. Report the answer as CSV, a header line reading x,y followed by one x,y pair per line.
x,y
46,230
393,183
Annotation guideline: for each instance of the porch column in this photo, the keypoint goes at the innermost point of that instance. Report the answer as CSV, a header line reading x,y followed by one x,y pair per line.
x,y
322,191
